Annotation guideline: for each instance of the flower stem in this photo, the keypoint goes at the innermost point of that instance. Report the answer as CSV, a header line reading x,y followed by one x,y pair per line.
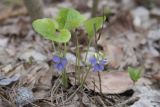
x,y
84,79
77,60
64,79
64,74
54,47
87,51
90,40
100,82
65,49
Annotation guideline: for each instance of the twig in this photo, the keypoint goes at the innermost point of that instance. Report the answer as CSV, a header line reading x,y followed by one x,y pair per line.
x,y
72,95
53,105
128,102
54,88
102,102
62,96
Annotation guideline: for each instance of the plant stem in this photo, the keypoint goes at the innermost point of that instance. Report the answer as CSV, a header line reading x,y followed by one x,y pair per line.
x,y
64,79
65,49
64,74
54,46
59,49
90,40
84,79
77,59
100,82
87,50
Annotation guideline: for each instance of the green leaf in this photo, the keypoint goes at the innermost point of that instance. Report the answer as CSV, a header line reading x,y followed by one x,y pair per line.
x,y
93,25
62,36
134,73
48,29
45,27
69,18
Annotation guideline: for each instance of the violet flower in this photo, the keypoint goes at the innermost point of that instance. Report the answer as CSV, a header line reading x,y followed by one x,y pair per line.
x,y
60,62
97,65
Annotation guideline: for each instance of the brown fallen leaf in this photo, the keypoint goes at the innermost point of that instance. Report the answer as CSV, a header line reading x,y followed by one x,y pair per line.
x,y
113,53
111,82
148,3
144,81
10,12
156,76
34,75
5,58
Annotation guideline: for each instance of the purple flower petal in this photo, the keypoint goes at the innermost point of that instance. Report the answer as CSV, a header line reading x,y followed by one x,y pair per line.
x,y
63,61
93,60
60,67
56,59
103,62
101,67
96,67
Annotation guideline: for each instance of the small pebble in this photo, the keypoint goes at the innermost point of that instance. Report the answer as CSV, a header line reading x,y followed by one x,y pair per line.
x,y
24,96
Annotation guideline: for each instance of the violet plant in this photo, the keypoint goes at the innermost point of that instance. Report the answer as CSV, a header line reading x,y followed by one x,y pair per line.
x,y
59,31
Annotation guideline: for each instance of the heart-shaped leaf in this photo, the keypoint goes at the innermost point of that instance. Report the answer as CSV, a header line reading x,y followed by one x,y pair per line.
x,y
93,25
134,73
69,18
48,29
62,36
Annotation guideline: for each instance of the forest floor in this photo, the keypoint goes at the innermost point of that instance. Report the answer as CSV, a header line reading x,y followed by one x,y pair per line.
x,y
131,37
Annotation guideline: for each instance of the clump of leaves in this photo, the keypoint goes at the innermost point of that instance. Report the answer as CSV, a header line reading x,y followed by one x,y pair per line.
x,y
58,30
135,73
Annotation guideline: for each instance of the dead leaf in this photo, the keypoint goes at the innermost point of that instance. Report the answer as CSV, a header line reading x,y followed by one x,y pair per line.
x,y
3,42
154,42
40,94
7,68
141,17
37,56
156,76
112,82
155,12
114,55
144,81
39,77
10,12
6,81
8,74
33,74
5,58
